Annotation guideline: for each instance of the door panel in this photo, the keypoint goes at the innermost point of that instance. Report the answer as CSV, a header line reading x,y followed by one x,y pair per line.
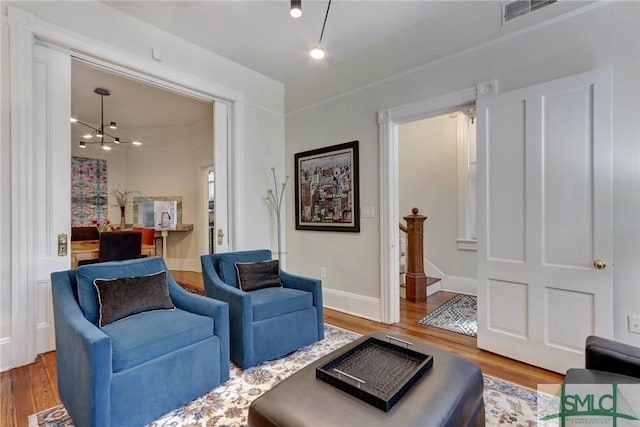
x,y
508,294
506,168
567,170
544,216
220,138
51,181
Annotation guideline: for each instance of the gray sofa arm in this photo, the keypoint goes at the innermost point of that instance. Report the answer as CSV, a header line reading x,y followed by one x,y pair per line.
x,y
606,355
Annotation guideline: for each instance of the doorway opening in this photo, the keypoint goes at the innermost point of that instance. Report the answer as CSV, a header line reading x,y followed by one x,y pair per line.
x,y
389,122
437,167
176,134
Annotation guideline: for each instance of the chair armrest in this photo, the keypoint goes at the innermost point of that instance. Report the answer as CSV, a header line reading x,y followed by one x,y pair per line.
x,y
310,285
240,309
217,310
304,284
611,356
83,355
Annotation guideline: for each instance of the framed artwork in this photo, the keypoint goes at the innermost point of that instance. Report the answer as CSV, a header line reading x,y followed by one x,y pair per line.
x,y
327,189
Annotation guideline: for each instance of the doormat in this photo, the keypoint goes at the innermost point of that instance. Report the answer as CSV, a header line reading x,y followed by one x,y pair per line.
x,y
459,314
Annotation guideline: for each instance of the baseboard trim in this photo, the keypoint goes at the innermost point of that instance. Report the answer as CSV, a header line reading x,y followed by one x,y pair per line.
x,y
6,361
184,264
461,285
357,305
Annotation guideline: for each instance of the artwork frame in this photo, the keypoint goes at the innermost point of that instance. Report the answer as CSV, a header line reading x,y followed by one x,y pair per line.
x,y
327,188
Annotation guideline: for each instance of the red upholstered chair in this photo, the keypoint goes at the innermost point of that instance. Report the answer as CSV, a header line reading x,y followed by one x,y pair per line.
x,y
148,235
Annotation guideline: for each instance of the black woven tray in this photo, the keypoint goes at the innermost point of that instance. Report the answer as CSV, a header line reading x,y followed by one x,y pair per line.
x,y
376,371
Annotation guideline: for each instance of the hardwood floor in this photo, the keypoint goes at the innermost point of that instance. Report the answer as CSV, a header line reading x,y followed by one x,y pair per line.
x,y
33,388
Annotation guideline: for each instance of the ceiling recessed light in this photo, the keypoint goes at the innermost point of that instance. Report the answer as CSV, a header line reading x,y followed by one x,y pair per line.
x,y
73,120
106,147
136,142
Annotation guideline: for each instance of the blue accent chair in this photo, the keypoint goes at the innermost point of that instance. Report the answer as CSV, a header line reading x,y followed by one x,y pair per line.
x,y
266,323
134,370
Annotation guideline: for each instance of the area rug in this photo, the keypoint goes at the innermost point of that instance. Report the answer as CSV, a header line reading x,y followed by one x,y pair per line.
x,y
190,288
459,314
228,404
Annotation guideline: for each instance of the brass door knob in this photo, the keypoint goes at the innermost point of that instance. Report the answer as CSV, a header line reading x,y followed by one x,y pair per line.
x,y
599,264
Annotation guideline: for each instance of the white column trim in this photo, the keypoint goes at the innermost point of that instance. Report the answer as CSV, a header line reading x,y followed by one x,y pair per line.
x,y
389,232
388,121
22,250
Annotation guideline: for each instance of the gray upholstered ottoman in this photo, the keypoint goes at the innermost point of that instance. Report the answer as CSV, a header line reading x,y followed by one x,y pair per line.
x,y
448,394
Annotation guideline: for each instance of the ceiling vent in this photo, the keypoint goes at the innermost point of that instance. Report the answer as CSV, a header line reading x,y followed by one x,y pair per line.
x,y
518,8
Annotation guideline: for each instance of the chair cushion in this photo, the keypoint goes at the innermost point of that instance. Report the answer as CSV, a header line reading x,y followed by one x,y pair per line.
x,y
86,274
271,302
125,296
258,275
146,336
228,261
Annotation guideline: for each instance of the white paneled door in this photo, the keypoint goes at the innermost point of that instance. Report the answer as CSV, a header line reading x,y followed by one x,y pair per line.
x,y
51,181
544,220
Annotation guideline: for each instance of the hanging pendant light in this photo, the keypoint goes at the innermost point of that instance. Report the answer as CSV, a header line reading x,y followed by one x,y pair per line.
x,y
103,138
296,8
317,52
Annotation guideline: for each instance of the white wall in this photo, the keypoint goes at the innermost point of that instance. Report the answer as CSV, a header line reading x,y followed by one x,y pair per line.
x,y
427,158
173,167
261,134
605,36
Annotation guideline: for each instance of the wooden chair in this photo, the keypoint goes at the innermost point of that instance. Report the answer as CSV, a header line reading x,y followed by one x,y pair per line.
x,y
117,246
84,233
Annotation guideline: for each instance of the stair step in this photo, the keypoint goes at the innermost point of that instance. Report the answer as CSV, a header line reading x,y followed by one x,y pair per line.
x,y
432,280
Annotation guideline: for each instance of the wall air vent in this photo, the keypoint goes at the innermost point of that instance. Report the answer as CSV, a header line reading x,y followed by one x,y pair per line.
x,y
517,8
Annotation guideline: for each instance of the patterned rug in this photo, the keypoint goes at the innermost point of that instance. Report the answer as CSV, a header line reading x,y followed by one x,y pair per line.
x,y
228,404
459,314
190,288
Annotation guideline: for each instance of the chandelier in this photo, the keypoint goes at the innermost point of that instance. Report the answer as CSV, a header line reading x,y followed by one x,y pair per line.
x,y
98,135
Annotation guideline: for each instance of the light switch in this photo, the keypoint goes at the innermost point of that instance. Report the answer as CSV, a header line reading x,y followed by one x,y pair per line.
x,y
367,212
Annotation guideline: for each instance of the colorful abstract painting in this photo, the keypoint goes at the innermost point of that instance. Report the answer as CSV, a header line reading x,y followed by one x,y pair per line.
x,y
89,194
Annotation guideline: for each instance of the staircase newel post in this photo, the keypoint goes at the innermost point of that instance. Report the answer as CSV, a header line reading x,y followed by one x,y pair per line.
x,y
416,280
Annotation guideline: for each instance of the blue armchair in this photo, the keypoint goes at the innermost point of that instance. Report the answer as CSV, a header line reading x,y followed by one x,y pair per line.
x,y
136,369
265,323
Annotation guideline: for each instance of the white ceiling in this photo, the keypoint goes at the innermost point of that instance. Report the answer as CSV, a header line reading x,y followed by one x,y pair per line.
x,y
263,36
132,104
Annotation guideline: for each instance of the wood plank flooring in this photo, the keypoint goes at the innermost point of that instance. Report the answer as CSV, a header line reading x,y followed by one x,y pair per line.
x,y
33,388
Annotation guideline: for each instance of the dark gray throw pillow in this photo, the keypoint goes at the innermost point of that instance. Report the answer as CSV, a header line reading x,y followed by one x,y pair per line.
x,y
122,297
258,275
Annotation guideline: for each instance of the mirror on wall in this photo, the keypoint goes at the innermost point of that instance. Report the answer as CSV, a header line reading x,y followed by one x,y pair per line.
x,y
164,212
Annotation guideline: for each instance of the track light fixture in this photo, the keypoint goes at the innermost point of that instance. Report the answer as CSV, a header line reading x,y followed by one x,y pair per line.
x,y
296,8
104,138
317,52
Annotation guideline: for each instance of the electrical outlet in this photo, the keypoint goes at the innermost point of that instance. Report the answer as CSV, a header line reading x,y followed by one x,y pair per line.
x,y
323,271
634,324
